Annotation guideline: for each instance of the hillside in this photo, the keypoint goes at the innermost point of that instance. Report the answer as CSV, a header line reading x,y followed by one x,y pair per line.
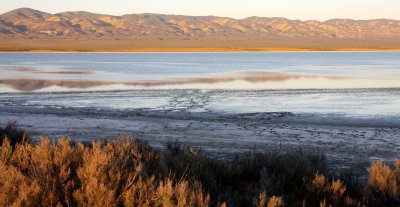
x,y
32,29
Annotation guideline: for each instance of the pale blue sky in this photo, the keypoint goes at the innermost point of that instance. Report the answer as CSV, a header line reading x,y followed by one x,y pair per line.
x,y
293,9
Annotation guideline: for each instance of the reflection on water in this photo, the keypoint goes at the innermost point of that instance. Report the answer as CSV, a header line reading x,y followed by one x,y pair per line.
x,y
119,71
33,70
240,80
27,85
159,66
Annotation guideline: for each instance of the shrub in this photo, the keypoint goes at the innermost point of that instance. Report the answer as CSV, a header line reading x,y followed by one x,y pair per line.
x,y
264,201
384,182
13,134
15,188
327,190
126,172
111,174
238,181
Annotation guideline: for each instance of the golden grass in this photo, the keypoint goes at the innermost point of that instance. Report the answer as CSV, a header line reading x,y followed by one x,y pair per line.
x,y
200,45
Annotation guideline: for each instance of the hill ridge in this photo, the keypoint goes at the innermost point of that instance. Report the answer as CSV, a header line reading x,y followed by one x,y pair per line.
x,y
26,22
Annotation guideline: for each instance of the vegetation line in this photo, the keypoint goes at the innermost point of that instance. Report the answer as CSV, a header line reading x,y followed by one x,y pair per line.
x,y
203,50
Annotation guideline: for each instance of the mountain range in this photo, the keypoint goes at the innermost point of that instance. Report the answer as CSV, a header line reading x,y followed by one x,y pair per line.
x,y
27,25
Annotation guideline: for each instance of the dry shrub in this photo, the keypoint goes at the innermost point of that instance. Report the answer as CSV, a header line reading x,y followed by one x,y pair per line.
x,y
335,189
216,176
239,180
323,203
384,182
52,166
124,172
145,193
6,152
328,190
264,201
276,202
181,194
111,174
13,134
16,189
283,173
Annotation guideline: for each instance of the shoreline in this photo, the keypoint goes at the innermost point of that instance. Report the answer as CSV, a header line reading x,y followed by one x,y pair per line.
x,y
198,50
346,145
228,44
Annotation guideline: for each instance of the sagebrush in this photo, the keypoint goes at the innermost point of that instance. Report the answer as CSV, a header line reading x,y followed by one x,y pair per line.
x,y
127,172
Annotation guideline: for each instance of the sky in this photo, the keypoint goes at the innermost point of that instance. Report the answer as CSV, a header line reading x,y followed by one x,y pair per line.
x,y
292,9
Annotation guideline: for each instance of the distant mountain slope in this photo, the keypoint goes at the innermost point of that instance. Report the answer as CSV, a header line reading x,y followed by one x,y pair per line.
x,y
26,22
28,29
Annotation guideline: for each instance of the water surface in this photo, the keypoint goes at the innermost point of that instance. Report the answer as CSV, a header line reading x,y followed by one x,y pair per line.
x,y
67,71
334,87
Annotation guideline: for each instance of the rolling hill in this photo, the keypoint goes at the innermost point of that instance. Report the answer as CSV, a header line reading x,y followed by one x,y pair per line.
x,y
26,28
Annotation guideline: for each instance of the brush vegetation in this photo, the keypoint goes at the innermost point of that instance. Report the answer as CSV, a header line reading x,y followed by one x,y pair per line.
x,y
127,172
